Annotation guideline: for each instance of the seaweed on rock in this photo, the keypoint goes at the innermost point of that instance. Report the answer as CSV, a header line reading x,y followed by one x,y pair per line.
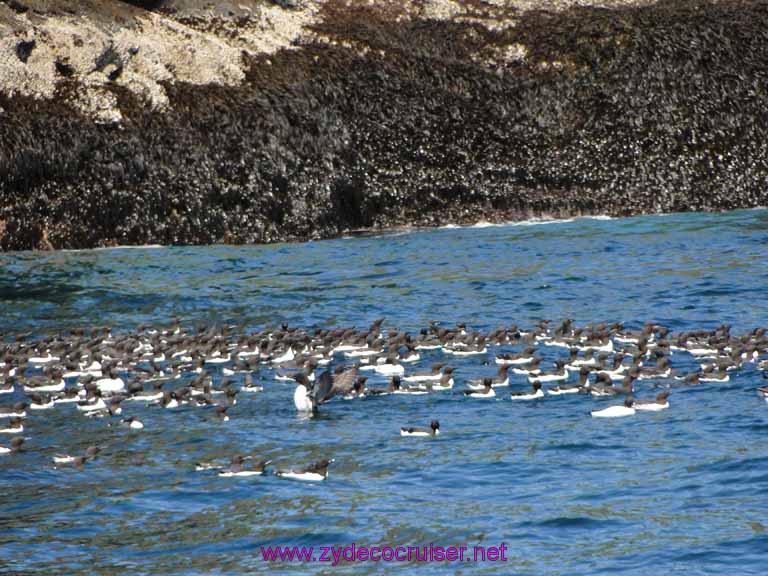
x,y
620,111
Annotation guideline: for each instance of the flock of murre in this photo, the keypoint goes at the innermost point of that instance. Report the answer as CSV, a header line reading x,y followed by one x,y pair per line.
x,y
101,373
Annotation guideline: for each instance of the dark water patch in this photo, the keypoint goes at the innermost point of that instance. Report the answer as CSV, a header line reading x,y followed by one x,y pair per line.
x,y
582,447
571,523
734,464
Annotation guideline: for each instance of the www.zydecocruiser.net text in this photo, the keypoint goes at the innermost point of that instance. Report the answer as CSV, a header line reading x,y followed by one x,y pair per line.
x,y
354,553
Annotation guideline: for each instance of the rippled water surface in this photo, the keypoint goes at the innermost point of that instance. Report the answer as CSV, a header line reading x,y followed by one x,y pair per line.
x,y
684,491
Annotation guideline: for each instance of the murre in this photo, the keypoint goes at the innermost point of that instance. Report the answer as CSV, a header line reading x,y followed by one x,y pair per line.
x,y
15,446
315,472
433,430
660,403
237,467
536,392
625,409
63,459
486,392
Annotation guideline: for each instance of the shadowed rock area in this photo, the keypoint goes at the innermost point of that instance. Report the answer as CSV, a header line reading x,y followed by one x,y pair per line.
x,y
388,114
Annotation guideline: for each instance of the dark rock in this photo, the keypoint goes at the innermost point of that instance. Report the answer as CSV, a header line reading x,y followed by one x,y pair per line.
x,y
147,4
110,55
24,49
64,69
115,74
17,6
288,4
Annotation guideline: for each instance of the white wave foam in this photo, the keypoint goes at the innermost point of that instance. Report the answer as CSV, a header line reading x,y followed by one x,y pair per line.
x,y
597,217
121,247
538,221
541,222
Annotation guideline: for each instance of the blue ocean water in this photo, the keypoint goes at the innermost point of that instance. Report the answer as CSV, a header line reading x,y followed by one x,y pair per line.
x,y
677,492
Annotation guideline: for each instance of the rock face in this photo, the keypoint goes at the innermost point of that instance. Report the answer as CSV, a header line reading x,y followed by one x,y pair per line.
x,y
258,121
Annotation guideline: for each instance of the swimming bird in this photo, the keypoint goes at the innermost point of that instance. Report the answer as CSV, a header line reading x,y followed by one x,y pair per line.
x,y
309,367
221,414
132,422
47,359
14,426
315,472
218,357
433,430
486,392
427,341
231,395
242,365
536,392
170,399
410,355
18,410
45,385
396,387
662,369
574,362
237,467
78,369
763,391
393,388
599,344
478,347
433,376
249,386
69,396
40,402
307,396
390,367
660,403
532,368
15,446
66,460
625,409
628,337
603,386
112,408
559,375
617,370
375,349
445,382
93,402
523,357
111,383
501,379
358,389
153,395
580,387
328,385
286,356
7,385
688,379
711,375
700,350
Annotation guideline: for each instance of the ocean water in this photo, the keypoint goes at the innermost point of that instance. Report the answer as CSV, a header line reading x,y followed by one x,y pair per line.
x,y
684,491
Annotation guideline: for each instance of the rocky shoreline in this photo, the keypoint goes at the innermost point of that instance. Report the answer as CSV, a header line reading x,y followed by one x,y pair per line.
x,y
348,115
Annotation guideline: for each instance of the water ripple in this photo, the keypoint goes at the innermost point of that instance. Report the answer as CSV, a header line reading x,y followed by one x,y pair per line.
x,y
681,491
